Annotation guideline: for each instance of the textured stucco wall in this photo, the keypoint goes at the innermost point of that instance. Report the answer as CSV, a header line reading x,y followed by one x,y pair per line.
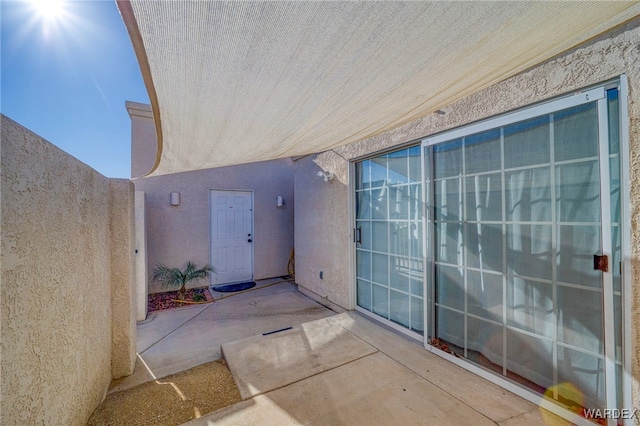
x,y
143,132
177,234
56,330
322,229
123,292
600,59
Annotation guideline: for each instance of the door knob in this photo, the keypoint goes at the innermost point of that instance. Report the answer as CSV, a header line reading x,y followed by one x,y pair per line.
x,y
249,240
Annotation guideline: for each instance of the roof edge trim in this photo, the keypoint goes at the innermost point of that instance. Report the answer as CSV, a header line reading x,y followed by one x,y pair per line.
x,y
128,16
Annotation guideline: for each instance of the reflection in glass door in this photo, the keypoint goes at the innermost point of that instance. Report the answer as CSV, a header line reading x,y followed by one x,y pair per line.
x,y
516,213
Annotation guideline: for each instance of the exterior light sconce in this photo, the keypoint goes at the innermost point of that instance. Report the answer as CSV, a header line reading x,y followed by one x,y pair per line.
x,y
326,175
279,201
174,199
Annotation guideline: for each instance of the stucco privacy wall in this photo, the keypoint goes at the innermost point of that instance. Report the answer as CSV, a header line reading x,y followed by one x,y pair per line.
x,y
605,57
177,234
65,258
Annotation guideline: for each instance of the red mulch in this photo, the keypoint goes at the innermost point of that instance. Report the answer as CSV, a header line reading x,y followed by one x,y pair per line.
x,y
160,301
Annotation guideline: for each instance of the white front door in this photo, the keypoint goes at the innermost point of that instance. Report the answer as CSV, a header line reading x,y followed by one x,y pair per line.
x,y
231,236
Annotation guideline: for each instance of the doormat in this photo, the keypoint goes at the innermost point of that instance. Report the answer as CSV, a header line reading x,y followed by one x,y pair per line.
x,y
228,288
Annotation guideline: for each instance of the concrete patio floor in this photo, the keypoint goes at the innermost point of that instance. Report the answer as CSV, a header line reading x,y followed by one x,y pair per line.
x,y
175,340
327,369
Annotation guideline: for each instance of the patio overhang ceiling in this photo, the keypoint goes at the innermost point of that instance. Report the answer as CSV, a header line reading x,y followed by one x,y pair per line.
x,y
238,82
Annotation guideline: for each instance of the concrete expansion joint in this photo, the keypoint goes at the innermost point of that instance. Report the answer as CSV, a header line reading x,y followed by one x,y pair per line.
x,y
174,330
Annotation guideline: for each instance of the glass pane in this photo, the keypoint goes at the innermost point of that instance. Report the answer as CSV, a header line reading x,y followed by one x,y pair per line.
x,y
482,152
484,295
380,236
530,306
363,174
380,200
580,318
363,264
415,202
528,195
379,171
484,246
576,247
448,199
616,259
400,272
364,294
380,269
400,308
416,282
614,182
363,205
614,121
399,202
415,171
415,235
450,328
530,360
527,143
417,314
448,243
578,192
400,238
380,301
398,164
576,132
484,342
484,197
448,159
450,287
585,372
529,250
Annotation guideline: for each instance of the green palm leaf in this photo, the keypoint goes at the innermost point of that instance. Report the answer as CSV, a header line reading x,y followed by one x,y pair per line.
x,y
174,277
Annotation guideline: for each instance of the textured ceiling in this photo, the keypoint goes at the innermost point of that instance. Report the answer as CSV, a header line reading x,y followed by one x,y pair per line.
x,y
237,82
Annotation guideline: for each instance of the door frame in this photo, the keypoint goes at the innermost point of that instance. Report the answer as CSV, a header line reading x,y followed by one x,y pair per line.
x,y
252,260
596,93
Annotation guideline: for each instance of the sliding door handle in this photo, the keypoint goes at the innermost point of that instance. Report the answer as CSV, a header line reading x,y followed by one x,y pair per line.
x,y
357,235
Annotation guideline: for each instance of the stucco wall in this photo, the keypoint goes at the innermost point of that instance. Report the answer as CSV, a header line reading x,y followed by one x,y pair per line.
x,y
322,228
122,273
59,239
143,133
177,234
600,59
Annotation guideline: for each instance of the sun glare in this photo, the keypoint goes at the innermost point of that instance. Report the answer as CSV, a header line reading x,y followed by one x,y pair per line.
x,y
49,10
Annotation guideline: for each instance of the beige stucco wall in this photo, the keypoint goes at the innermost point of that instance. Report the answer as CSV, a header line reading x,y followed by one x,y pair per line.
x,y
65,229
122,277
143,134
598,60
177,234
322,228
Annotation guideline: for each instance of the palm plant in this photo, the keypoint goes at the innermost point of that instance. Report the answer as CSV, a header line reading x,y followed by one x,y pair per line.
x,y
173,277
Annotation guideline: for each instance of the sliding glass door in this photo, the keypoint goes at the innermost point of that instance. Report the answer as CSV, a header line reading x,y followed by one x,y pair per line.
x,y
389,241
523,259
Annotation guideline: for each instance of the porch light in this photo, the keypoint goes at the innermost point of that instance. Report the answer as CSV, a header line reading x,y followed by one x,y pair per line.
x,y
326,175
